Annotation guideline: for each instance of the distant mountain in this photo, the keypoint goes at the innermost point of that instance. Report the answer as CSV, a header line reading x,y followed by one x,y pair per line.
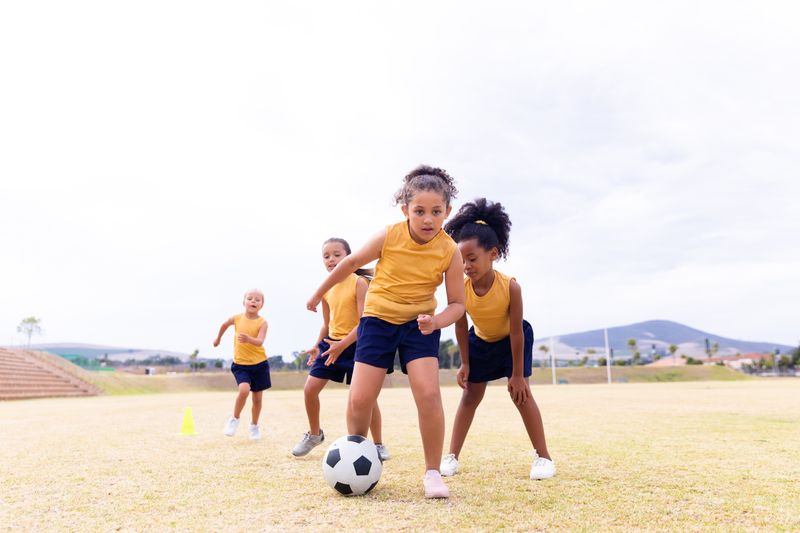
x,y
662,333
115,353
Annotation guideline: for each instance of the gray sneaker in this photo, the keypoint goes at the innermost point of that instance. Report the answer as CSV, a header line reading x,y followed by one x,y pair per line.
x,y
308,443
383,453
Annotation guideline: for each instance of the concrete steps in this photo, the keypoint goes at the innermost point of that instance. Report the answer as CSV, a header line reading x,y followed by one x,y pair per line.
x,y
26,374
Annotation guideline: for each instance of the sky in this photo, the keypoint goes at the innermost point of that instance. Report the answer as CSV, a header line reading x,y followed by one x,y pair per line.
x,y
159,158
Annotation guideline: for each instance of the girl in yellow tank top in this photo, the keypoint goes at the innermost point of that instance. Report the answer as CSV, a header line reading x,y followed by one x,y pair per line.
x,y
332,356
414,257
250,366
500,342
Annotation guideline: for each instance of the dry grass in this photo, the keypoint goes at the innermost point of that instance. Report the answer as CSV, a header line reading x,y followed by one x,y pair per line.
x,y
676,456
119,382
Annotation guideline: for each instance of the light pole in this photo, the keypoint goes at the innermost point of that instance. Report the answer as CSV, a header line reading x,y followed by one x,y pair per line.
x,y
608,356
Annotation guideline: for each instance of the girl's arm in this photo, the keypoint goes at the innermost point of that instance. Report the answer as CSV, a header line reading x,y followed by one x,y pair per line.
x,y
323,332
370,252
225,325
454,284
462,337
337,348
256,341
517,386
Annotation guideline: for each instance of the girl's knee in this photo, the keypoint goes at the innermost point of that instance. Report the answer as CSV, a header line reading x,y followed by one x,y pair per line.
x,y
361,403
310,391
472,398
429,397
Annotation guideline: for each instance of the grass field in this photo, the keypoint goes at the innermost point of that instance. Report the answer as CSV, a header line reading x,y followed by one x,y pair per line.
x,y
677,456
118,383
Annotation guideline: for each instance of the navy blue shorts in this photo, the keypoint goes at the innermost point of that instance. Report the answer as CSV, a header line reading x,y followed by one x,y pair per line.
x,y
256,375
379,341
340,370
492,360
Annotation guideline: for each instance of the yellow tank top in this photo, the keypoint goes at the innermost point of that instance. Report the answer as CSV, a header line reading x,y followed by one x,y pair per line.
x,y
407,275
344,308
245,353
490,312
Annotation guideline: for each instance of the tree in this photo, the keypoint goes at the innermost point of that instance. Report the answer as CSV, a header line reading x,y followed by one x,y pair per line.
x,y
299,360
672,349
446,349
601,361
30,326
193,359
544,349
276,362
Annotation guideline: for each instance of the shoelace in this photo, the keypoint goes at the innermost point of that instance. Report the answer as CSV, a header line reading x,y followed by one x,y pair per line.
x,y
540,461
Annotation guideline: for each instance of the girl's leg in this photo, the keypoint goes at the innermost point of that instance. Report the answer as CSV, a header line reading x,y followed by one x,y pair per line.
x,y
532,419
311,394
241,398
423,376
257,397
375,425
470,400
364,389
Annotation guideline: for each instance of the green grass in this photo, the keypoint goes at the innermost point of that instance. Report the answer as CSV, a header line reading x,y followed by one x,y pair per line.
x,y
123,383
676,456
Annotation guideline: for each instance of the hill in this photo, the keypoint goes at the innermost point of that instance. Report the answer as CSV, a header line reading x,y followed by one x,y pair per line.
x,y
660,333
115,353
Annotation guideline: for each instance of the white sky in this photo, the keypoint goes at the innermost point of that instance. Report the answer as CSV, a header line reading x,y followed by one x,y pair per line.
x,y
159,158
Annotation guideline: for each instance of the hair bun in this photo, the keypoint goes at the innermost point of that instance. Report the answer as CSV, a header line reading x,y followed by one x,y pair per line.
x,y
426,178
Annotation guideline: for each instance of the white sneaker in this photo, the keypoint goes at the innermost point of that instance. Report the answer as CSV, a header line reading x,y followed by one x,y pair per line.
x,y
449,465
230,427
255,433
308,443
434,486
383,453
542,468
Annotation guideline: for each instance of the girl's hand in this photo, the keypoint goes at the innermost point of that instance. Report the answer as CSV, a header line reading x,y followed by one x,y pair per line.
x,y
462,375
216,342
333,352
518,389
426,324
243,337
313,302
312,355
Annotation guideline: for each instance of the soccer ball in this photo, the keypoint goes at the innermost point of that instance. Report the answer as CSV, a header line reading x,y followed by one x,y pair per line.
x,y
351,465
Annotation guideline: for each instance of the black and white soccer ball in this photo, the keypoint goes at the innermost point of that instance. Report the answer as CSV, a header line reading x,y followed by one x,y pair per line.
x,y
351,465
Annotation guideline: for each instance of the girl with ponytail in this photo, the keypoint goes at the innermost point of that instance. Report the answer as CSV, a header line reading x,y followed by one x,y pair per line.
x,y
500,342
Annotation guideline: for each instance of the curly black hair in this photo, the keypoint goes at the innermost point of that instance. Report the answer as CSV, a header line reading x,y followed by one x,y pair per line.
x,y
425,178
483,220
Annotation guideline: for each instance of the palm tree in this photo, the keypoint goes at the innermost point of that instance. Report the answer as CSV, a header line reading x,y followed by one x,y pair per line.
x,y
632,349
672,350
193,360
